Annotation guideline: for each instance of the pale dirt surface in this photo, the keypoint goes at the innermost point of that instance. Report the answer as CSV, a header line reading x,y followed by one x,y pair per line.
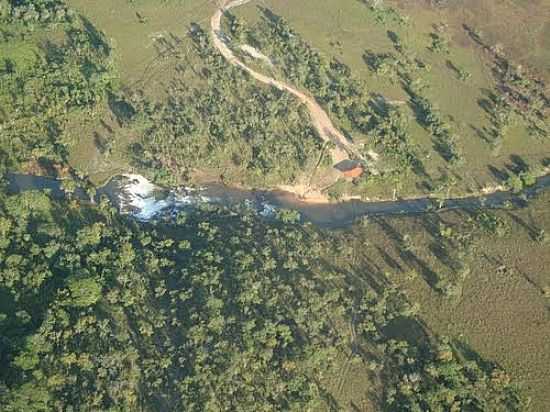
x,y
320,120
253,52
343,148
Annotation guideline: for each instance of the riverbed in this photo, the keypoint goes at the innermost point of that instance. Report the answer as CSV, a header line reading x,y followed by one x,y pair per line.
x,y
134,195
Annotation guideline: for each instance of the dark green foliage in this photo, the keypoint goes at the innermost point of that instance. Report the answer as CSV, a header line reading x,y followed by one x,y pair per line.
x,y
40,12
84,291
227,313
439,379
392,136
405,67
330,82
490,222
439,43
220,312
501,113
386,15
37,96
424,377
527,94
445,141
231,120
518,89
335,87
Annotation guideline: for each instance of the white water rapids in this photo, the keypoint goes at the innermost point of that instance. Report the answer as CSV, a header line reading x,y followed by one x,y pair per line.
x,y
145,201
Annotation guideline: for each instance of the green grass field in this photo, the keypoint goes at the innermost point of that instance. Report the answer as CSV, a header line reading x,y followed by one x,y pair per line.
x,y
150,41
141,33
345,30
501,306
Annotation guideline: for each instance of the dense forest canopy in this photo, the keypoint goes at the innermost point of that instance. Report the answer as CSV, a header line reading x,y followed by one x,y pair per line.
x,y
53,64
216,312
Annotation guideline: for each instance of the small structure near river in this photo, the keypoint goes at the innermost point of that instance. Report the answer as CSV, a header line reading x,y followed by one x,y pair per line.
x,y
351,169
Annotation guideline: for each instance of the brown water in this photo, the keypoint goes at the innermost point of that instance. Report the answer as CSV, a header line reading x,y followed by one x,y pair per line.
x,y
332,215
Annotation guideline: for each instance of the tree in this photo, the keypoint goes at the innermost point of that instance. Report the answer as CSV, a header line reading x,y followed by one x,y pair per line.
x,y
84,291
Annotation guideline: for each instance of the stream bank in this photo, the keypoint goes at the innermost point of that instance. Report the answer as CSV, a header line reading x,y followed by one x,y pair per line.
x,y
136,196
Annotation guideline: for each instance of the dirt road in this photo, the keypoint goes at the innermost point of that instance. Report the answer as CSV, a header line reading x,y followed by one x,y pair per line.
x,y
319,118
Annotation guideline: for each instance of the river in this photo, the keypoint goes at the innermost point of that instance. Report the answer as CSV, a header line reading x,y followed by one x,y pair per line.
x,y
136,196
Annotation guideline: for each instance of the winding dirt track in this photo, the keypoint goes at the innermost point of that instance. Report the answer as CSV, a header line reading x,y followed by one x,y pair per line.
x,y
319,118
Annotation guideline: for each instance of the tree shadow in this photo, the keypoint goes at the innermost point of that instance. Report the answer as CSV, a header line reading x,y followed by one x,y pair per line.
x,y
394,38
473,35
410,330
518,164
500,175
531,229
106,126
95,37
391,262
102,143
53,53
471,355
488,102
407,255
440,250
123,111
484,133
451,66
269,16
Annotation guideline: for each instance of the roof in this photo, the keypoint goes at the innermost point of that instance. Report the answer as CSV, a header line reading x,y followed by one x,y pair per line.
x,y
350,168
355,172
